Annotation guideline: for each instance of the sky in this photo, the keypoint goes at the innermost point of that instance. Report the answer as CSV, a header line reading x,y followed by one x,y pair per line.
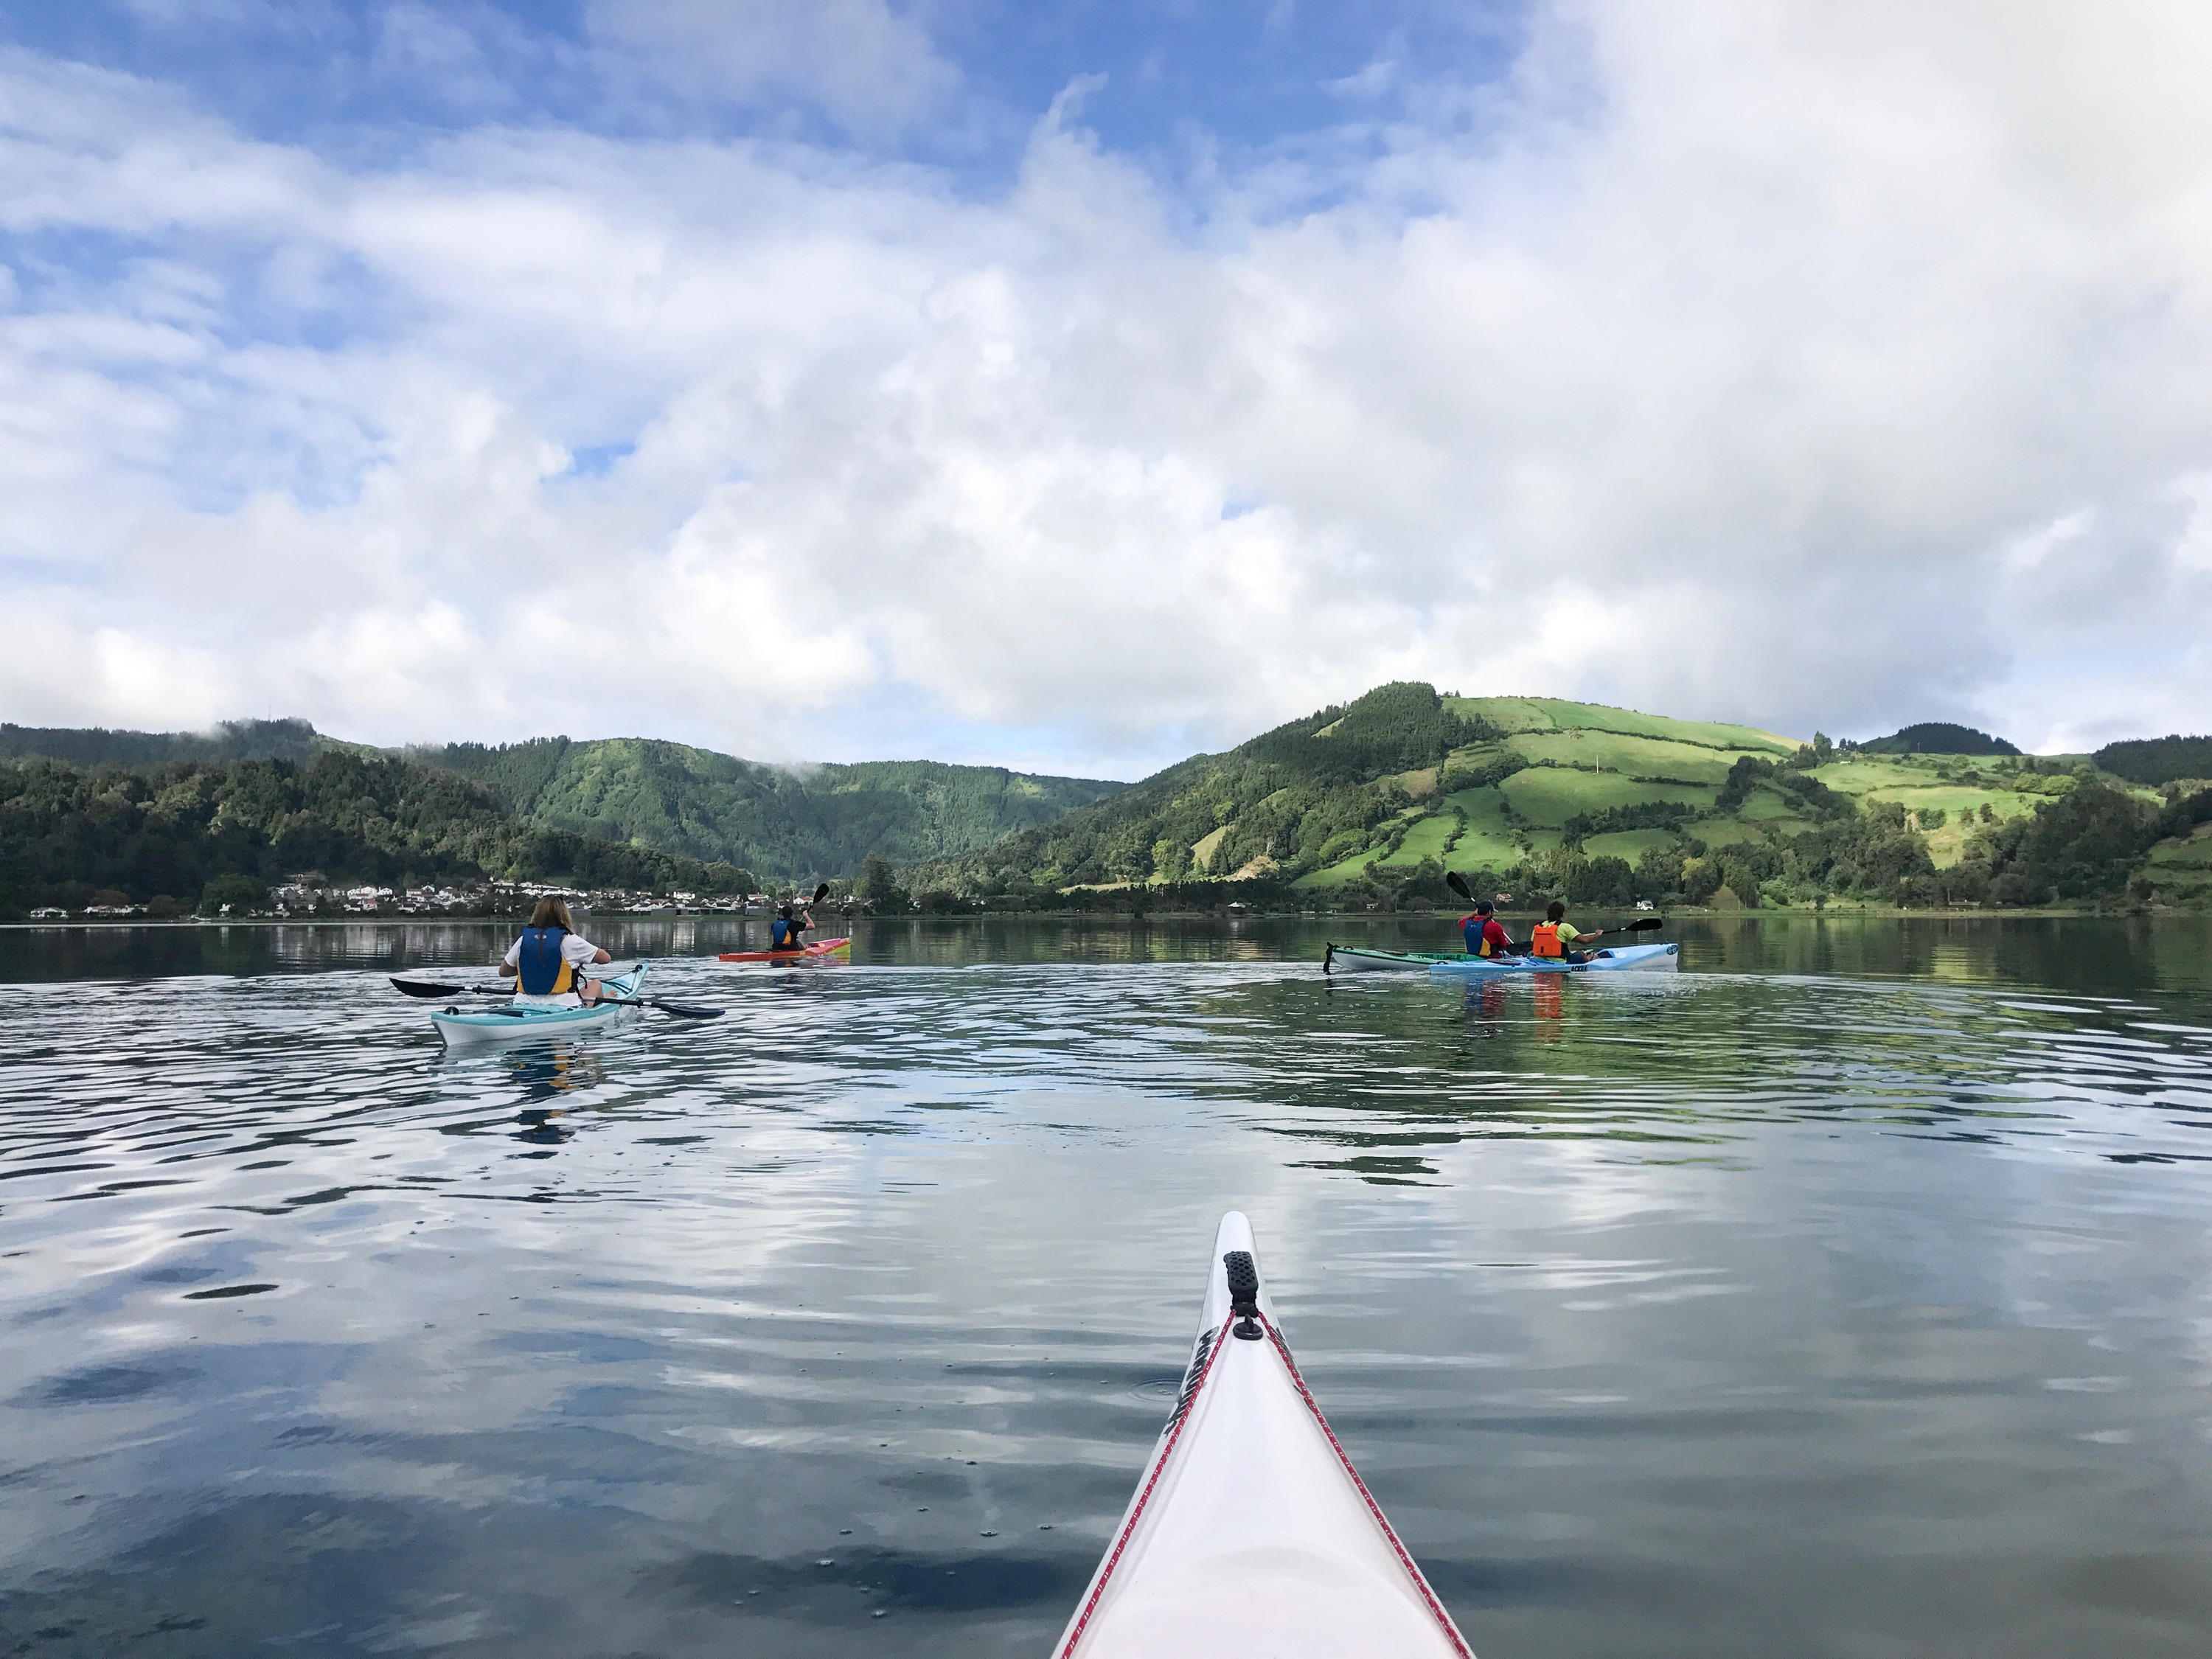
x,y
1072,386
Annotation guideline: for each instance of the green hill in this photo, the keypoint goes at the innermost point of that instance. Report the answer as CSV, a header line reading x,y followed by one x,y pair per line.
x,y
1938,738
233,740
787,823
1372,801
193,833
2158,760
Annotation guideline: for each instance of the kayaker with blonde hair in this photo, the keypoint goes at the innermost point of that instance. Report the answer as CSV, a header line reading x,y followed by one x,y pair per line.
x,y
547,962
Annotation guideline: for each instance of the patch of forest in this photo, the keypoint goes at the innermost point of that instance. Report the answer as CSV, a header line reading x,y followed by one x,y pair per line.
x,y
187,835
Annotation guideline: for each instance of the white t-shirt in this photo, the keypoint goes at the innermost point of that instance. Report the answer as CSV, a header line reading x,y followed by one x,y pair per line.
x,y
575,950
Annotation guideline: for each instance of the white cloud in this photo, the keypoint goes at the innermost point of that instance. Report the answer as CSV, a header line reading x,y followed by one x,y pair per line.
x,y
869,67
1759,361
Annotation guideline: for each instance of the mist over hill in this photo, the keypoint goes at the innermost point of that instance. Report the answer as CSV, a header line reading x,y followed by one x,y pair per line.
x,y
232,740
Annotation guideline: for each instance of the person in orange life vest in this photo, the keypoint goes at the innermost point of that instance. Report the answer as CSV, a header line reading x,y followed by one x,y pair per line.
x,y
547,961
1553,936
1486,934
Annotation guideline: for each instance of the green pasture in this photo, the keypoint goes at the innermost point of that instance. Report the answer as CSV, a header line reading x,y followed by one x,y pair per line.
x,y
1632,757
1550,795
1427,839
1629,844
1488,839
1718,833
1519,715
2182,867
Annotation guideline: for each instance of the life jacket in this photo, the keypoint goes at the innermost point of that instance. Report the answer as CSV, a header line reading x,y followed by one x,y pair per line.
x,y
1477,929
544,973
1544,940
783,935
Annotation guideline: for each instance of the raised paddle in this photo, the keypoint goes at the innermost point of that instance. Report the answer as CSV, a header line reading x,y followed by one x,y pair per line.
x,y
417,987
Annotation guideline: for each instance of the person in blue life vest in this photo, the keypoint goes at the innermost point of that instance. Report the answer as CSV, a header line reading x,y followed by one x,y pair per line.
x,y
547,963
1555,939
788,931
1486,935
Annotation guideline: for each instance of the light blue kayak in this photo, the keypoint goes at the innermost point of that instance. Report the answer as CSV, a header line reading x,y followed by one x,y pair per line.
x,y
1621,958
515,1022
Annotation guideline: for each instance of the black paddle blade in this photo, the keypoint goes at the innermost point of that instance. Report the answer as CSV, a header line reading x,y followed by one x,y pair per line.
x,y
415,987
681,1010
1643,923
1457,883
820,893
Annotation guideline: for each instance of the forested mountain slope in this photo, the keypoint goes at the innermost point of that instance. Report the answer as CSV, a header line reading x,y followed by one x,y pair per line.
x,y
792,823
73,836
787,822
233,740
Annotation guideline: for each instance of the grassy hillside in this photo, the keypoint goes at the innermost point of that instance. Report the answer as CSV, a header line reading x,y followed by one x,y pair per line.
x,y
1374,800
787,822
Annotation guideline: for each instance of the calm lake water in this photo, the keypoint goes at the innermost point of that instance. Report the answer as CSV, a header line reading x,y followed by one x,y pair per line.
x,y
1848,1294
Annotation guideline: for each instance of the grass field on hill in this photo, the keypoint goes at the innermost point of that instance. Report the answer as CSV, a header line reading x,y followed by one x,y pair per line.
x,y
1582,759
1577,759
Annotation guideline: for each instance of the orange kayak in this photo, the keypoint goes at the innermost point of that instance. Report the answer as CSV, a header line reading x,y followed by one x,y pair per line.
x,y
821,947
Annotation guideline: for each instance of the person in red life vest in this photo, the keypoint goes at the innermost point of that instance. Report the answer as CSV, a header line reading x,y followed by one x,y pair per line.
x,y
547,962
1554,937
1486,934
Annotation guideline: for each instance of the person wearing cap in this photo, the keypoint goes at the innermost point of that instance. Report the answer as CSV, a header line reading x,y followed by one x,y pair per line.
x,y
1486,935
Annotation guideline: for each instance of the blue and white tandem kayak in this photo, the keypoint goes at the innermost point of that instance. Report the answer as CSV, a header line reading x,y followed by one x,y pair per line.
x,y
1621,958
1250,1532
515,1022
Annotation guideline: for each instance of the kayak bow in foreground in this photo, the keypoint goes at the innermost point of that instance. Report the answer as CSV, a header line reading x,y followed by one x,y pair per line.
x,y
1250,1532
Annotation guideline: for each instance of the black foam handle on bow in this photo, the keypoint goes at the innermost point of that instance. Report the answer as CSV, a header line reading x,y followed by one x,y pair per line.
x,y
1244,1292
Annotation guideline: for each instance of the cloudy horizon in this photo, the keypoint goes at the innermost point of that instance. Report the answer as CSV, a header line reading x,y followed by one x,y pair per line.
x,y
1073,389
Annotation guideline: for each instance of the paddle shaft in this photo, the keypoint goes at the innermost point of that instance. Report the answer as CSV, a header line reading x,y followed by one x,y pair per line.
x,y
415,987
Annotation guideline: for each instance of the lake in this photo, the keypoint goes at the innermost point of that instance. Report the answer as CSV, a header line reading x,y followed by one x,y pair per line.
x,y
1845,1294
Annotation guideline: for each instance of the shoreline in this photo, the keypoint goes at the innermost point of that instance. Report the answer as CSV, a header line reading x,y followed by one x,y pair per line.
x,y
1833,913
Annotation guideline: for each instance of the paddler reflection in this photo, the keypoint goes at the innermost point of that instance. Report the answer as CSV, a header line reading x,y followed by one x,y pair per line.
x,y
547,1075
1485,1000
1551,1005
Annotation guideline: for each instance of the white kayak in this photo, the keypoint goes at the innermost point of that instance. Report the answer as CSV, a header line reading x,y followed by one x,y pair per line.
x,y
1359,959
1620,958
1250,1534
516,1022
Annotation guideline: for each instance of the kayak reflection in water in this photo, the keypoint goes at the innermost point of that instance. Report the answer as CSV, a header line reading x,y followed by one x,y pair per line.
x,y
547,961
1554,937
